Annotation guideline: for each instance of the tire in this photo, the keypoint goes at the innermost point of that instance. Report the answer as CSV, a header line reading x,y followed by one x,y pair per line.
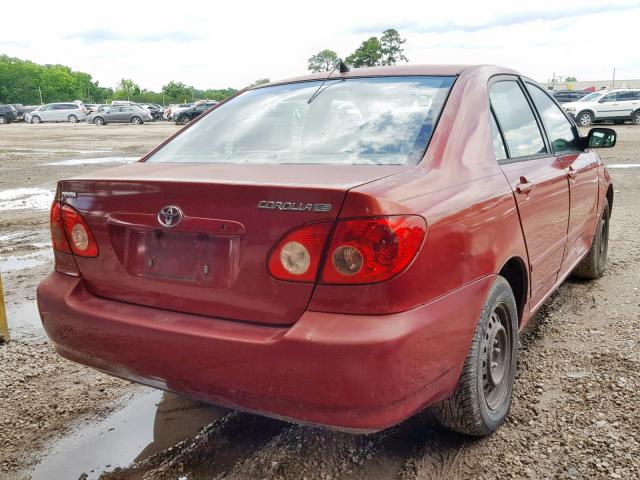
x,y
36,119
482,398
183,120
72,119
136,120
635,117
584,119
3,120
594,264
98,121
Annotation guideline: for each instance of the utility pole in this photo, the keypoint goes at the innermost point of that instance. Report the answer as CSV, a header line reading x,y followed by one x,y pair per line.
x,y
40,92
613,83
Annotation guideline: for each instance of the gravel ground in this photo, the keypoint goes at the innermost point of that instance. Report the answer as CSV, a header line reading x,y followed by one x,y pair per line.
x,y
576,410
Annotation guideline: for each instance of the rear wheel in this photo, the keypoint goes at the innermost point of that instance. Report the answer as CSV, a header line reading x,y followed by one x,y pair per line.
x,y
635,118
585,119
35,119
595,263
136,120
482,398
3,119
98,121
73,119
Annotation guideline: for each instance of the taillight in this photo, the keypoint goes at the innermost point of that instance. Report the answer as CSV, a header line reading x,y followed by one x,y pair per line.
x,y
58,238
70,233
297,256
370,250
362,250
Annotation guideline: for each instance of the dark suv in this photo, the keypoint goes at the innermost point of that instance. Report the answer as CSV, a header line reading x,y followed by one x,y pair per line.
x,y
8,114
565,96
186,116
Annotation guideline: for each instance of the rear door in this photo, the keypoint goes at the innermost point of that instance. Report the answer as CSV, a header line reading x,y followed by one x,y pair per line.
x,y
582,172
628,102
607,106
538,180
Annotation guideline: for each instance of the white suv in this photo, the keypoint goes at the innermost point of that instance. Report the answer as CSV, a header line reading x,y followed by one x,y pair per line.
x,y
617,105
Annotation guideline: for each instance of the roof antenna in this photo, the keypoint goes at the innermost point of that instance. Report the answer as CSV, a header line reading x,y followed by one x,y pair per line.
x,y
343,69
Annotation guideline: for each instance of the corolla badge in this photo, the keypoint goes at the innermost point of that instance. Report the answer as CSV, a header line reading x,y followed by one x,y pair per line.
x,y
170,216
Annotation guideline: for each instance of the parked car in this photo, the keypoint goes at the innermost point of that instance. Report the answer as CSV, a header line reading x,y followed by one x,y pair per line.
x,y
174,109
91,107
156,111
19,110
618,105
564,96
119,114
8,114
57,112
342,256
185,116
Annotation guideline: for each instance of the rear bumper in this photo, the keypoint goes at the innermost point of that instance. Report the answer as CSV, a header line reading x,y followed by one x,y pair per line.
x,y
355,372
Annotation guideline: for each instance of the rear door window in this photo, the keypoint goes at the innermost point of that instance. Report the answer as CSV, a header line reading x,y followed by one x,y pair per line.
x,y
518,123
560,132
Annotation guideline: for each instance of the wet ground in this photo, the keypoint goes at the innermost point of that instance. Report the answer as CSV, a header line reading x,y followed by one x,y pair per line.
x,y
576,411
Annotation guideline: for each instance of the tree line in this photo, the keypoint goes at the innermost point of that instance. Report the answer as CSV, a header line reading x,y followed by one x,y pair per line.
x,y
374,51
29,83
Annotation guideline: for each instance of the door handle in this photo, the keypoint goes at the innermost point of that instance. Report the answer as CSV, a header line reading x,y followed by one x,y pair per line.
x,y
572,172
524,186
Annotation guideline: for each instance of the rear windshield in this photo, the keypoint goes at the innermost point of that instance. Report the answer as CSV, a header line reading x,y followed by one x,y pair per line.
x,y
385,121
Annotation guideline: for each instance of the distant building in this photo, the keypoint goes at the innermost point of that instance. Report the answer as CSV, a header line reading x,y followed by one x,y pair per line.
x,y
593,85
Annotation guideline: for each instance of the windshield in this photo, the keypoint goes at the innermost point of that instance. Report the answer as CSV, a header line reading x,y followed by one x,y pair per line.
x,y
385,120
590,98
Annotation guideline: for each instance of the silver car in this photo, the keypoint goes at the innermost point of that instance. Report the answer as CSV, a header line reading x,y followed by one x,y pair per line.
x,y
119,114
57,112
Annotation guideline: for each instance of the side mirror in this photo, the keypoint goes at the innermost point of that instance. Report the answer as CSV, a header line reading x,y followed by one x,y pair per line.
x,y
600,137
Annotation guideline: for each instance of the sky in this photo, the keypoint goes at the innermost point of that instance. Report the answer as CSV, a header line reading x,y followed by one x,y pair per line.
x,y
231,44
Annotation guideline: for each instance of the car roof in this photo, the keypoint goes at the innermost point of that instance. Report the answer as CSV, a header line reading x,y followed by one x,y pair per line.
x,y
393,70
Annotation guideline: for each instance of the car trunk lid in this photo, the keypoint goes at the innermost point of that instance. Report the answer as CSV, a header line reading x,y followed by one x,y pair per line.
x,y
213,261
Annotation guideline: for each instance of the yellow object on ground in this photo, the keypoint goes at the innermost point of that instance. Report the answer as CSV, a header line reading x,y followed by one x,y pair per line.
x,y
4,328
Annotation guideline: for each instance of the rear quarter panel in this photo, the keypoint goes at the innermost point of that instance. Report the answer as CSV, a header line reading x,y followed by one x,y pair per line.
x,y
473,226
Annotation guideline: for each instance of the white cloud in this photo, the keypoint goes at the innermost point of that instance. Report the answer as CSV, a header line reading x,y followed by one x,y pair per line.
x,y
212,44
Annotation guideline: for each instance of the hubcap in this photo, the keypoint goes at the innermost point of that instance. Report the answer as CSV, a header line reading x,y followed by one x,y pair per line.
x,y
585,119
496,361
637,119
3,120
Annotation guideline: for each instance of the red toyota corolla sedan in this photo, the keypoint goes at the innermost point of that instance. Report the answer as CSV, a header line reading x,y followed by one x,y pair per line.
x,y
342,251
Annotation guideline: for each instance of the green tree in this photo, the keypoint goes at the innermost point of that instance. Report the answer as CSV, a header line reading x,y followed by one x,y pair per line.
x,y
368,54
177,90
391,47
127,88
260,81
323,61
570,79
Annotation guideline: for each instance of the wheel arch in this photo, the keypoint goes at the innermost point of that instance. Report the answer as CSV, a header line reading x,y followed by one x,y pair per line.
x,y
515,273
609,196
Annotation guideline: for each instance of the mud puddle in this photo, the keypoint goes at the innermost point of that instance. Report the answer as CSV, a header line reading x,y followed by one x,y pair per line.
x,y
24,320
147,424
13,263
25,198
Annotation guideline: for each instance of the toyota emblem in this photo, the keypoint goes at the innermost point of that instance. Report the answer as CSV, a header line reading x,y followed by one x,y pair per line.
x,y
170,216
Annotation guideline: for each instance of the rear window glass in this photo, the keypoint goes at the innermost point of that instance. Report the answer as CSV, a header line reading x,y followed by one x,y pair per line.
x,y
386,120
